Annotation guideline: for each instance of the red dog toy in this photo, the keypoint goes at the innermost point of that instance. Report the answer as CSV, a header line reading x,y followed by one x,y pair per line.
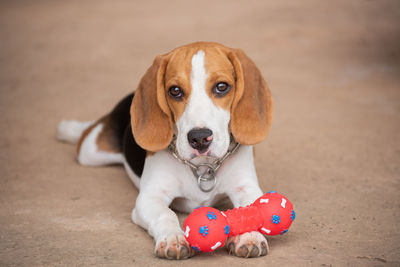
x,y
206,228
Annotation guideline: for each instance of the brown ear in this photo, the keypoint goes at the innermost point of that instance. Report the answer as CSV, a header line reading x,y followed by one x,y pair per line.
x,y
150,115
251,114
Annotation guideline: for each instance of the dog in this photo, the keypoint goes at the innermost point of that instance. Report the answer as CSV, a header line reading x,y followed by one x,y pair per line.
x,y
185,137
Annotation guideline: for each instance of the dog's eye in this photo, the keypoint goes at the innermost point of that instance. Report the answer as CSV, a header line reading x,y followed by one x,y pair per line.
x,y
175,92
221,89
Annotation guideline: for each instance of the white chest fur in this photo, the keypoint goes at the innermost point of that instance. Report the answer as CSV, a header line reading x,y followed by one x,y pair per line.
x,y
166,178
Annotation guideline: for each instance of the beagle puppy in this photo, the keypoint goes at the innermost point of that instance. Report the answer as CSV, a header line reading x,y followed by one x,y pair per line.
x,y
185,138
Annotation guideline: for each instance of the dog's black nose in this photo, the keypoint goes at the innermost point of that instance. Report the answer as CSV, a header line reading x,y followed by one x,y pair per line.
x,y
200,139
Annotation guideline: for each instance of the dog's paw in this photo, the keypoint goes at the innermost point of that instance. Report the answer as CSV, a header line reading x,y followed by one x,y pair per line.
x,y
248,245
173,247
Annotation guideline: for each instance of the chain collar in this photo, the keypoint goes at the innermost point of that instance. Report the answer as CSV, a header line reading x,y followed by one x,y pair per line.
x,y
205,172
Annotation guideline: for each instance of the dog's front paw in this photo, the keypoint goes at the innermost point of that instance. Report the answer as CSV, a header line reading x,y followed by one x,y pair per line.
x,y
248,245
173,247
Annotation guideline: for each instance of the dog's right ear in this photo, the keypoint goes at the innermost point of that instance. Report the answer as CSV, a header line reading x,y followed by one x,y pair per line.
x,y
150,115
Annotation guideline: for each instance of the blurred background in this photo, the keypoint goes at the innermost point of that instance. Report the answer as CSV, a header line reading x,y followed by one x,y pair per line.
x,y
334,148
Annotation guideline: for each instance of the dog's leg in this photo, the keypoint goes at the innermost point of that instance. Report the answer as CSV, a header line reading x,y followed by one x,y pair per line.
x,y
152,213
159,185
244,192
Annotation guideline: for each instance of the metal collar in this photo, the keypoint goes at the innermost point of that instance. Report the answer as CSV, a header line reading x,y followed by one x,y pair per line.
x,y
205,172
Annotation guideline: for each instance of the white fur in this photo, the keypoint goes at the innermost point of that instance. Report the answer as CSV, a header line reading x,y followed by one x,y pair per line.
x,y
71,130
89,154
201,112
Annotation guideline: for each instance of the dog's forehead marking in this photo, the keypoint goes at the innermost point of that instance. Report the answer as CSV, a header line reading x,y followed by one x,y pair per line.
x,y
198,100
198,74
198,79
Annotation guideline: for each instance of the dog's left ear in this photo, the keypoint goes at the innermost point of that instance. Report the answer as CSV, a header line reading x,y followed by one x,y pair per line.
x,y
251,113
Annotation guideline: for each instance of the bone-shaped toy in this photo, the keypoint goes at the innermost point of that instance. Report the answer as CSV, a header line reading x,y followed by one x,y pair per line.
x,y
206,228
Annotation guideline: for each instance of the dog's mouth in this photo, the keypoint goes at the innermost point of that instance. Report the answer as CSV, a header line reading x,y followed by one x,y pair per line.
x,y
201,153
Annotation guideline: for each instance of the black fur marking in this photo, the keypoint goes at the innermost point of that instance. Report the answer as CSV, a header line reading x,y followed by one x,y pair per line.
x,y
120,118
134,154
120,121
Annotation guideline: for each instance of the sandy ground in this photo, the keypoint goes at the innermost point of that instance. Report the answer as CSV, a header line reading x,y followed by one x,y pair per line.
x,y
334,148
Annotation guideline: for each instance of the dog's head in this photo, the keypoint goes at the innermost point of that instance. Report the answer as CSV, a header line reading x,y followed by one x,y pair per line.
x,y
202,93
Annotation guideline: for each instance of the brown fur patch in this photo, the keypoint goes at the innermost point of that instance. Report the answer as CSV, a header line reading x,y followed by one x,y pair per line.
x,y
220,69
178,74
83,136
106,140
